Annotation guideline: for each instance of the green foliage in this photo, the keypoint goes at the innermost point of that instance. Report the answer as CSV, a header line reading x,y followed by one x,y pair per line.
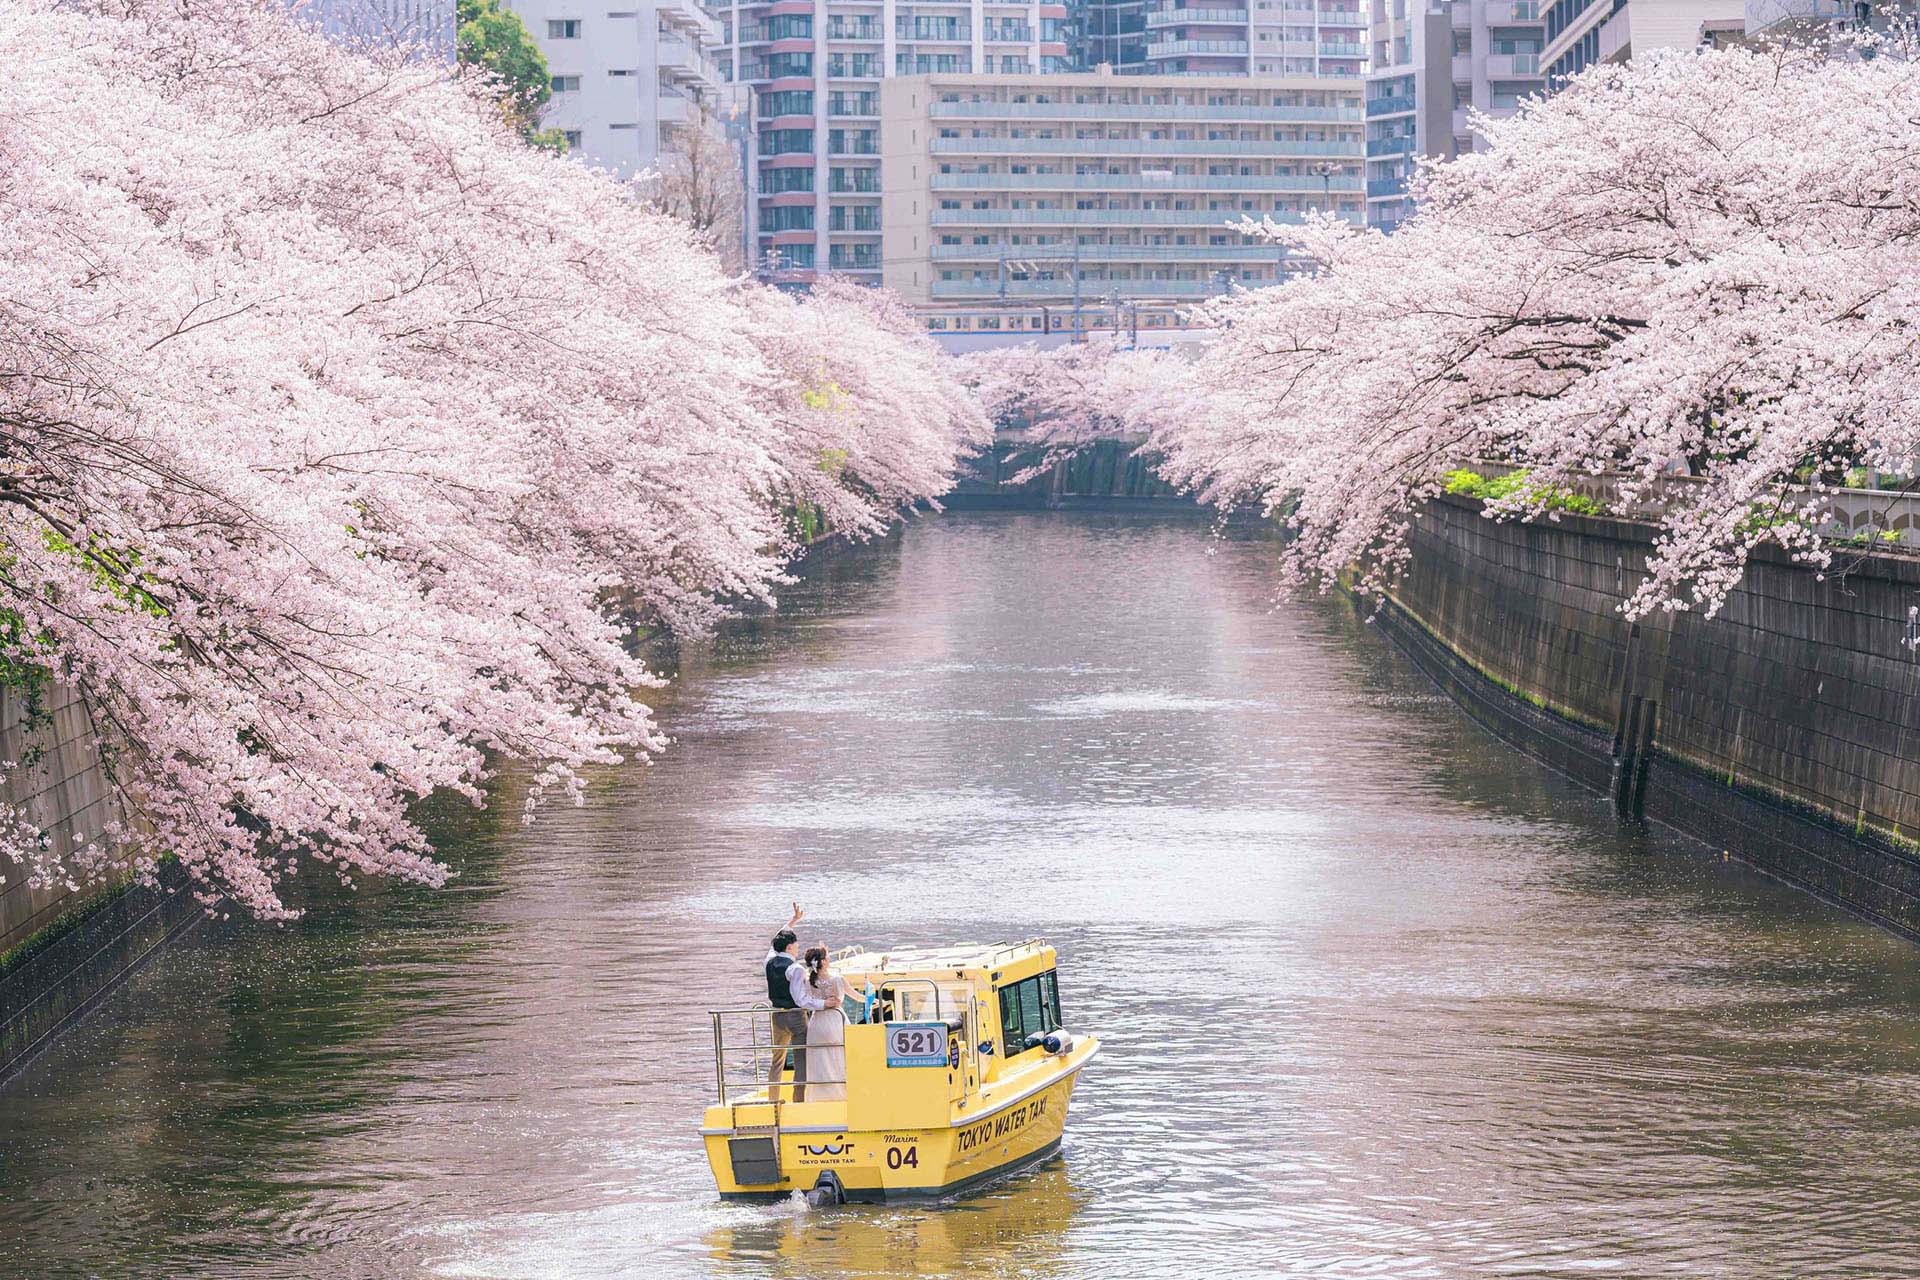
x,y
833,461
1760,517
494,38
1549,498
826,398
807,520
1875,537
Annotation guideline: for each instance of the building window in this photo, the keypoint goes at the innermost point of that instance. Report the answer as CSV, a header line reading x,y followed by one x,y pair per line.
x,y
563,28
566,84
573,139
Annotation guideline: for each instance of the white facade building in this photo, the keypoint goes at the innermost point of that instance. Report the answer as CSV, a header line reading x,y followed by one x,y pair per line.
x,y
1061,203
816,67
623,78
1255,37
1583,32
1435,62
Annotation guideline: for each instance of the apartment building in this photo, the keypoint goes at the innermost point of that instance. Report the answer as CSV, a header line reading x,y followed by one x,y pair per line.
x,y
1224,37
625,78
1435,62
1580,33
426,27
817,67
1819,18
1046,196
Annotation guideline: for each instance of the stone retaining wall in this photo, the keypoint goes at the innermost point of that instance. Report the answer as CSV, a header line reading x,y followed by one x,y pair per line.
x,y
62,949
1785,730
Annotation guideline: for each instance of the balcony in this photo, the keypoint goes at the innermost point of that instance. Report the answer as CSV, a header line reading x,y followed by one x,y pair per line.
x,y
1508,66
1386,187
1280,148
1247,251
1388,106
1402,146
1343,50
1090,290
1139,182
683,63
1331,19
1024,111
1200,48
1108,217
1764,15
688,16
1463,68
1507,13
1197,17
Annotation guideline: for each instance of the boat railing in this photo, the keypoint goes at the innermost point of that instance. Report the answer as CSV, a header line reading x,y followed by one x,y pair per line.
x,y
1014,948
743,1048
756,1050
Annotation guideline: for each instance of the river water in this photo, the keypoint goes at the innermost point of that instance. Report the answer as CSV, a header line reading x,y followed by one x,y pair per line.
x,y
1380,997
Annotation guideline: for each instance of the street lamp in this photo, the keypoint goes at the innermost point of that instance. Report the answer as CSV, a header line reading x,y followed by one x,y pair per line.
x,y
1325,171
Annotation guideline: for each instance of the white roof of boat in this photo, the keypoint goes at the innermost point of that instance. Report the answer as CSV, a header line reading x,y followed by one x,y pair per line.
x,y
963,955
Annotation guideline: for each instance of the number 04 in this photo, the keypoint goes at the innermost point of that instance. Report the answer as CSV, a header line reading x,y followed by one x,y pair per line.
x,y
909,1157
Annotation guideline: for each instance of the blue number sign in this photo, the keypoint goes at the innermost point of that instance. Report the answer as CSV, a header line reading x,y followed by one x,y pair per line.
x,y
917,1044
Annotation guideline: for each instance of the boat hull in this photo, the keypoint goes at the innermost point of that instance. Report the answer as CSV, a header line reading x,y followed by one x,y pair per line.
x,y
998,1139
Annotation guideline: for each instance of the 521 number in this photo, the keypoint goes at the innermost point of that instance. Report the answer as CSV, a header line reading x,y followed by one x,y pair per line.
x,y
898,1157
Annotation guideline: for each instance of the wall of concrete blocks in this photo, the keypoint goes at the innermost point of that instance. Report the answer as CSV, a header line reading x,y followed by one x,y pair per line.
x,y
1785,730
57,780
62,950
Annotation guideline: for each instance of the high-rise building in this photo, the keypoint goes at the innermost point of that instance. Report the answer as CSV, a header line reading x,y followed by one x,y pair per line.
x,y
1260,37
816,67
1436,62
1049,195
1581,33
625,79
426,26
1818,18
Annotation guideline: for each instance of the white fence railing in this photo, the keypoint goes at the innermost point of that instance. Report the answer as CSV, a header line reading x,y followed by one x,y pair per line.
x,y
1852,513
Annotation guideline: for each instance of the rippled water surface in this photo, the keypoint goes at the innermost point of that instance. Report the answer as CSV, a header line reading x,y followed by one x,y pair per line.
x,y
1379,996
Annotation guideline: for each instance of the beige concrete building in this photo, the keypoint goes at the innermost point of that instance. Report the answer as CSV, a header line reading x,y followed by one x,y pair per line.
x,y
1051,196
1583,32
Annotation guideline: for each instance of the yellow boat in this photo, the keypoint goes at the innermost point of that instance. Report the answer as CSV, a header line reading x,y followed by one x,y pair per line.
x,y
962,1075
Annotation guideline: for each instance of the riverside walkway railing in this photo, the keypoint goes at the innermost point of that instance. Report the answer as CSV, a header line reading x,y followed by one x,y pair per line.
x,y
1888,517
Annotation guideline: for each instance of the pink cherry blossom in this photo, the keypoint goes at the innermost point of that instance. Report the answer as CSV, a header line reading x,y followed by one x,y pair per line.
x,y
1700,262
347,438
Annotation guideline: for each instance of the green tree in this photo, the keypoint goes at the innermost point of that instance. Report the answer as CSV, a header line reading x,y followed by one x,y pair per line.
x,y
494,39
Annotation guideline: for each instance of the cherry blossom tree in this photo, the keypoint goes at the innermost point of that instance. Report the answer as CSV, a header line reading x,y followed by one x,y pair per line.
x,y
343,438
1700,261
1066,397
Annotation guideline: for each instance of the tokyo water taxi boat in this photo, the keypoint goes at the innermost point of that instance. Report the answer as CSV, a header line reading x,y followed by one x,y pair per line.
x,y
960,1073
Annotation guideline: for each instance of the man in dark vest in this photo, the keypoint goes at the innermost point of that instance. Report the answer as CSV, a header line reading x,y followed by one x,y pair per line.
x,y
791,997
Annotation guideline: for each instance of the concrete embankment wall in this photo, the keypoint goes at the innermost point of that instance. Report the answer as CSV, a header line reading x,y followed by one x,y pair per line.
x,y
1104,475
62,949
1785,730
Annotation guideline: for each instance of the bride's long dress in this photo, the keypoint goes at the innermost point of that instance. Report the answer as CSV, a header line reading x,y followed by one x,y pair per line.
x,y
827,1048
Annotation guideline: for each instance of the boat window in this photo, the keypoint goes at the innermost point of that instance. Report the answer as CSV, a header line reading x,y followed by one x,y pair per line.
x,y
1027,1008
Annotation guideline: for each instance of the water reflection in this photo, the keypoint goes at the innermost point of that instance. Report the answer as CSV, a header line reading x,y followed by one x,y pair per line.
x,y
1379,996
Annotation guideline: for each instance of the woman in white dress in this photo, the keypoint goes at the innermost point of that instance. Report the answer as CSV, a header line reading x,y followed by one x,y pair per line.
x,y
826,1031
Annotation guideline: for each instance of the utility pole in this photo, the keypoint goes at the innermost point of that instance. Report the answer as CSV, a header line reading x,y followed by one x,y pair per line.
x,y
1078,334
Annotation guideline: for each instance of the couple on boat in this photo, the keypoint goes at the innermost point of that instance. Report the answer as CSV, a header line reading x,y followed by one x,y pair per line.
x,y
808,1025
